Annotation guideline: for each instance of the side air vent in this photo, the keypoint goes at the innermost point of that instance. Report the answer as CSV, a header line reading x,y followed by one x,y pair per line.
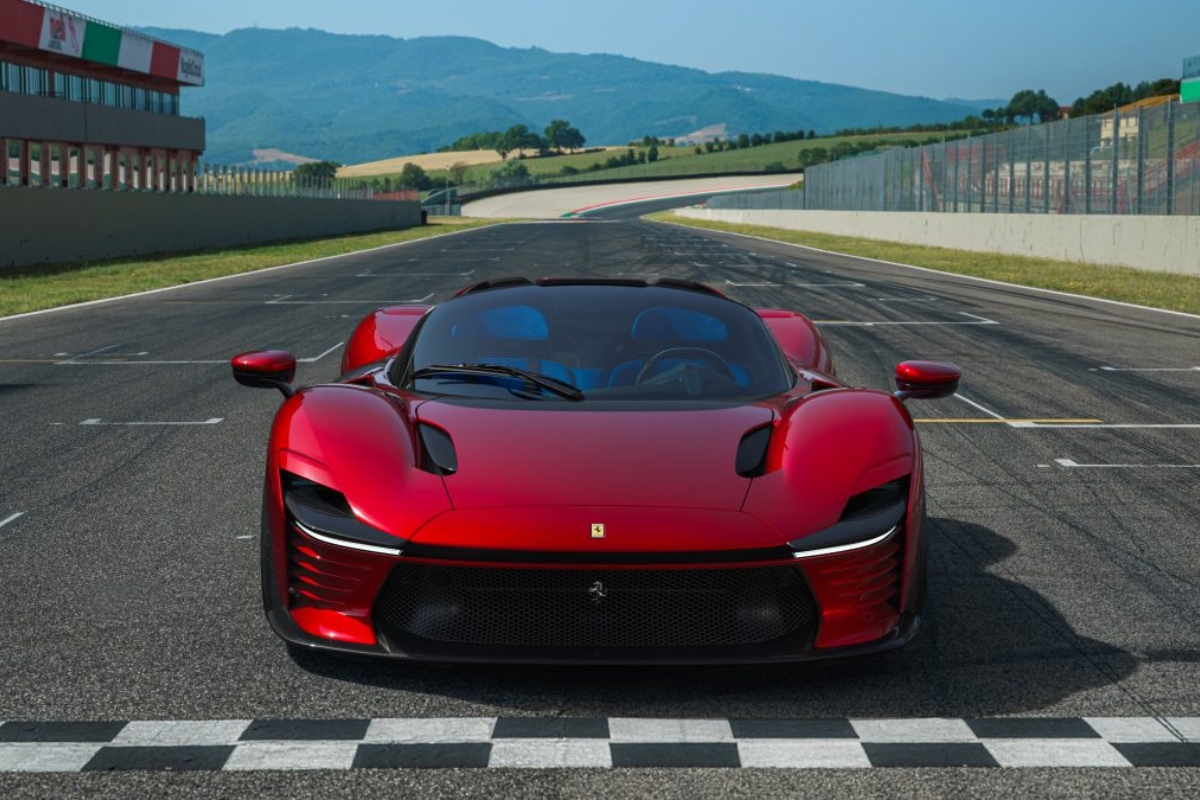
x,y
438,454
752,453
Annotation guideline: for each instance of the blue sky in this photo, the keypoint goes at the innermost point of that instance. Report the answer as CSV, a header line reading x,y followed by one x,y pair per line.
x,y
936,48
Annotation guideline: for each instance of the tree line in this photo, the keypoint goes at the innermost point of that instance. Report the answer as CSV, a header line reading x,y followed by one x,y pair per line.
x,y
1028,105
1025,107
558,136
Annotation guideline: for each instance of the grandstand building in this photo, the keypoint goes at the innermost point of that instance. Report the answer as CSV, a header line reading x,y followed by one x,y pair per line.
x,y
89,105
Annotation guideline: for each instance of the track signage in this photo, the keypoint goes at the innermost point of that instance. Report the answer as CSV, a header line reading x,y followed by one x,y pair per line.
x,y
1189,89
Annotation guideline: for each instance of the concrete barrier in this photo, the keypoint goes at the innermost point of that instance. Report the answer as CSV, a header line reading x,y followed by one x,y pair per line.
x,y
49,226
1161,244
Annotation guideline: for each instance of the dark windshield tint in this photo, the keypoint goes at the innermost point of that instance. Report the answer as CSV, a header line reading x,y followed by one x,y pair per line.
x,y
611,342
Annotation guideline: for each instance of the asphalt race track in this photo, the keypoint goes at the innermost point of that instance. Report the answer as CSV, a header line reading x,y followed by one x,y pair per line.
x,y
1063,508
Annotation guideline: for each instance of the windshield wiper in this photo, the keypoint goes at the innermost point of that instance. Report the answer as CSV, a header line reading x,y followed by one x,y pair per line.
x,y
552,385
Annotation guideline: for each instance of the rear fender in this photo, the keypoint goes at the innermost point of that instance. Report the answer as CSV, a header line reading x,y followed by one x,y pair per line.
x,y
380,334
802,343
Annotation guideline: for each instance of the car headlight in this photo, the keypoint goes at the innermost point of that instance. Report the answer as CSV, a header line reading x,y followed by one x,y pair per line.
x,y
324,514
869,518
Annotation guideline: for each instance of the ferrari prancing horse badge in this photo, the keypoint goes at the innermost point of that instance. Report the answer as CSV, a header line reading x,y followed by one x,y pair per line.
x,y
597,530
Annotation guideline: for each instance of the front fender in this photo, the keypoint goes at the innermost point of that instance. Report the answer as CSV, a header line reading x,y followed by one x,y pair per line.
x,y
826,448
360,442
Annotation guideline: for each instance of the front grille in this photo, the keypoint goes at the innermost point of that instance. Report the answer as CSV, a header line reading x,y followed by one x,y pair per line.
x,y
593,608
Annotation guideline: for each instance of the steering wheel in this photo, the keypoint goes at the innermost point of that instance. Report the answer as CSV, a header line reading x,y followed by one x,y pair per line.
x,y
648,368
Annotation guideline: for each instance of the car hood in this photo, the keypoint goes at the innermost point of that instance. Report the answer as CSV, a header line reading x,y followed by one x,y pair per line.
x,y
576,457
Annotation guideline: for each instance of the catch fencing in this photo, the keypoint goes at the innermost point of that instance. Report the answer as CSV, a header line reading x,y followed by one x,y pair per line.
x,y
1141,161
74,167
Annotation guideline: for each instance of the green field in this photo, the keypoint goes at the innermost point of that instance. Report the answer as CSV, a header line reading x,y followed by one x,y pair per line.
x,y
48,287
1124,284
684,161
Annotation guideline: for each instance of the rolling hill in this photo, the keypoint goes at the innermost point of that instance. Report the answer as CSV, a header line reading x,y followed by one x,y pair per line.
x,y
358,98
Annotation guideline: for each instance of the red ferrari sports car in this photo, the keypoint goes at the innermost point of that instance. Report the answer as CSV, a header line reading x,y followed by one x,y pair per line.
x,y
592,471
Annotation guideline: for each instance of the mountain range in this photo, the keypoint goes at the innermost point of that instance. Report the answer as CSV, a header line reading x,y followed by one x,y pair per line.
x,y
351,98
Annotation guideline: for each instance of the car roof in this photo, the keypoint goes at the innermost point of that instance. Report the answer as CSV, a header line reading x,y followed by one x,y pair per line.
x,y
665,283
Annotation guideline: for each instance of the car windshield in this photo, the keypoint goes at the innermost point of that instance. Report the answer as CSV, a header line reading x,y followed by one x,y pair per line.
x,y
571,343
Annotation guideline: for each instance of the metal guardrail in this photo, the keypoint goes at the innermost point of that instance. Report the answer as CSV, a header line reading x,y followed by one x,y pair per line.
x,y
779,199
249,182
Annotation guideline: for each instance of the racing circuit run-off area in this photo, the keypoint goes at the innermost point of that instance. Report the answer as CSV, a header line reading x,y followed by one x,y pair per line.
x,y
616,470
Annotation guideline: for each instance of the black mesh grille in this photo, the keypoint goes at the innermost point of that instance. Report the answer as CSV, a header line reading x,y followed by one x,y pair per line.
x,y
594,608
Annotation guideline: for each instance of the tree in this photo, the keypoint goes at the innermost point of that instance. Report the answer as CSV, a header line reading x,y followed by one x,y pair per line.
x,y
317,173
652,153
413,177
458,172
573,139
1102,101
561,136
519,137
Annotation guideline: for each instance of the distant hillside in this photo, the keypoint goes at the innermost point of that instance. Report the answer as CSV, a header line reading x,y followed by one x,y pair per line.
x,y
360,98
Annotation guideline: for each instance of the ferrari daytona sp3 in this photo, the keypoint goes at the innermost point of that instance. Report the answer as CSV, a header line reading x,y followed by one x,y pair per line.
x,y
616,471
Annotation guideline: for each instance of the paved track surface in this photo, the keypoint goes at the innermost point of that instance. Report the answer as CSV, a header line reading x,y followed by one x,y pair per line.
x,y
1064,579
556,203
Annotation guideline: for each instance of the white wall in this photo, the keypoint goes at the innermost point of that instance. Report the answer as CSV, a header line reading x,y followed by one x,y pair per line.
x,y
1164,244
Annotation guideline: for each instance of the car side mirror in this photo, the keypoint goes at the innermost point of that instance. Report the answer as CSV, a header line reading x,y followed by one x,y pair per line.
x,y
926,380
265,369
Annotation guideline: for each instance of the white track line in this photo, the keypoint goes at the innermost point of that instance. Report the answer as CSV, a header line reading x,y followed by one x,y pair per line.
x,y
98,422
1068,463
975,405
1104,425
74,362
1147,369
977,320
943,272
285,300
369,274
11,518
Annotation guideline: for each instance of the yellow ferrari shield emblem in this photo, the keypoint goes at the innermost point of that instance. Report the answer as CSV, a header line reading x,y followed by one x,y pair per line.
x,y
597,530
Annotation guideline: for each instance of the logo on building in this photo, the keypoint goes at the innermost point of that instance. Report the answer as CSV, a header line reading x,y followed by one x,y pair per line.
x,y
191,67
62,33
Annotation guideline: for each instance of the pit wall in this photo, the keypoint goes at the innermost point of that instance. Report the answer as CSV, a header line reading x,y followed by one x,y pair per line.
x,y
1160,244
49,226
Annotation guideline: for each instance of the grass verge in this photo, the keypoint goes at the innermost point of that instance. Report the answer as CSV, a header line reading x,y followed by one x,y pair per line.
x,y
1125,284
39,288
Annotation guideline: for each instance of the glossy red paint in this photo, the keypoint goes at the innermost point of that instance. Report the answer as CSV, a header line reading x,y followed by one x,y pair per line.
x,y
331,589
628,529
825,448
859,593
802,343
535,480
359,442
527,457
256,367
381,333
927,380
